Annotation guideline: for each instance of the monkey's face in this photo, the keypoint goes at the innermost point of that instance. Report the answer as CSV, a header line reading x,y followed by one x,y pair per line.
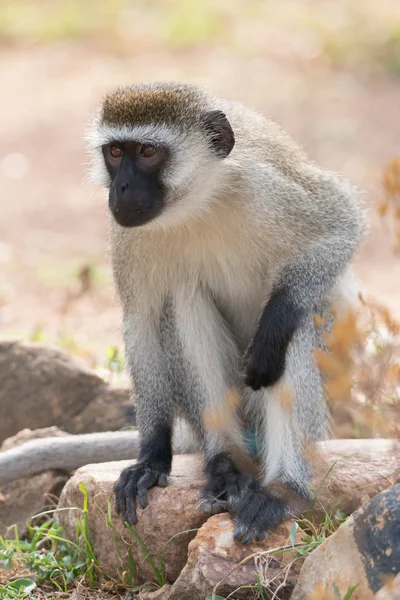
x,y
159,150
137,193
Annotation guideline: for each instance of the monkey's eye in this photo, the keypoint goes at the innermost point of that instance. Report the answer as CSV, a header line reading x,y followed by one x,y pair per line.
x,y
116,151
147,150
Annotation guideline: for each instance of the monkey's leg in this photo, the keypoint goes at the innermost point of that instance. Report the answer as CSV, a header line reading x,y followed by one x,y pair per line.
x,y
293,417
153,396
204,361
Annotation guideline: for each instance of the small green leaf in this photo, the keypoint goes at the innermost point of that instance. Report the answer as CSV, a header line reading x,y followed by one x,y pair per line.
x,y
350,592
24,586
293,533
216,598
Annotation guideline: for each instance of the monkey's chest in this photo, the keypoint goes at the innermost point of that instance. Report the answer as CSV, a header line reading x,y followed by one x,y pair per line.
x,y
239,291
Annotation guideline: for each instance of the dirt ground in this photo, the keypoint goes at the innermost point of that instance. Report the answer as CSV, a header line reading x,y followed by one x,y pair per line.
x,y
53,223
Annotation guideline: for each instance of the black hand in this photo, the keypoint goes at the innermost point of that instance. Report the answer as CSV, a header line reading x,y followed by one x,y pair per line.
x,y
265,365
152,468
267,352
133,484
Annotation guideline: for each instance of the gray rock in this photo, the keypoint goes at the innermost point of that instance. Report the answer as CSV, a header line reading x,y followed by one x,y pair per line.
x,y
366,465
41,386
364,551
21,500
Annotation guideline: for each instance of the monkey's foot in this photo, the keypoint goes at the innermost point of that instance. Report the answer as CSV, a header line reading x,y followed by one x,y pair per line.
x,y
133,484
224,487
257,513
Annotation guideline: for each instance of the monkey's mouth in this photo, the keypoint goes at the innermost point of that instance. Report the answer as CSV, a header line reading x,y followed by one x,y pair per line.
x,y
132,211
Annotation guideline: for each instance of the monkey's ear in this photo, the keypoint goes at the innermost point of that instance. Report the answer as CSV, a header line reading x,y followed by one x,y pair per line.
x,y
220,132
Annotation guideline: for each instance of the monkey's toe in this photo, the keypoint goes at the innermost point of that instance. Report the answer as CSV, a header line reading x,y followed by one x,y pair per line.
x,y
212,506
258,513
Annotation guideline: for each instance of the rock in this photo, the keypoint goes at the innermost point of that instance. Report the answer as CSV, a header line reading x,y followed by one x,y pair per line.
x,y
390,591
41,385
111,409
27,434
171,511
365,550
213,554
160,594
351,471
22,499
361,467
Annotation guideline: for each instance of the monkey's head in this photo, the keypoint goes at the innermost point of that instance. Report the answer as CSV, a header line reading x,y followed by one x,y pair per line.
x,y
160,150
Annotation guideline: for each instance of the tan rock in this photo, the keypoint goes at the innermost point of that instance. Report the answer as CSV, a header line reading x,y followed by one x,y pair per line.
x,y
20,500
359,468
354,470
26,435
41,385
160,594
363,552
390,591
171,511
214,559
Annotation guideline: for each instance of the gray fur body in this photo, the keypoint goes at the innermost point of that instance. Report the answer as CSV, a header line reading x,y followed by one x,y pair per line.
x,y
194,281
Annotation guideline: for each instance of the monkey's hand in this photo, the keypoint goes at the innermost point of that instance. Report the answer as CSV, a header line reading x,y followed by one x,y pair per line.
x,y
265,364
266,355
133,484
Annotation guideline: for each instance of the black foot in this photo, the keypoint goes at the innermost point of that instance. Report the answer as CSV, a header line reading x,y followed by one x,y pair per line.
x,y
224,484
133,484
257,513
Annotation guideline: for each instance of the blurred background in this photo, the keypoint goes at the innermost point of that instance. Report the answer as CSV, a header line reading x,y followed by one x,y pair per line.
x,y
327,70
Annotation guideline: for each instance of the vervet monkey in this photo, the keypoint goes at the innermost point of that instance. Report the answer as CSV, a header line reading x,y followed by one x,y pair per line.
x,y
226,241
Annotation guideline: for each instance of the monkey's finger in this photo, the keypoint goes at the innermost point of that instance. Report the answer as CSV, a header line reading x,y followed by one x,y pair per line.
x,y
118,504
147,481
162,480
238,534
246,539
242,535
217,507
130,492
252,380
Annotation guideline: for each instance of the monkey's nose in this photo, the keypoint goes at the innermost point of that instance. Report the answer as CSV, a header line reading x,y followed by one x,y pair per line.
x,y
123,187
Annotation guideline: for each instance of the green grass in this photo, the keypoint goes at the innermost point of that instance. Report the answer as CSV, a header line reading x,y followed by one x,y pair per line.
x,y
52,559
55,563
128,568
19,588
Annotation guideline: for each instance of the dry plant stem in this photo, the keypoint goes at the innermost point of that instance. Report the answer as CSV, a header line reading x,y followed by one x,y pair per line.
x,y
246,560
267,584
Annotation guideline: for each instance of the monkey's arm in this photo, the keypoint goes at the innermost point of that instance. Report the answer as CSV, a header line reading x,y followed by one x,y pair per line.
x,y
324,233
154,411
